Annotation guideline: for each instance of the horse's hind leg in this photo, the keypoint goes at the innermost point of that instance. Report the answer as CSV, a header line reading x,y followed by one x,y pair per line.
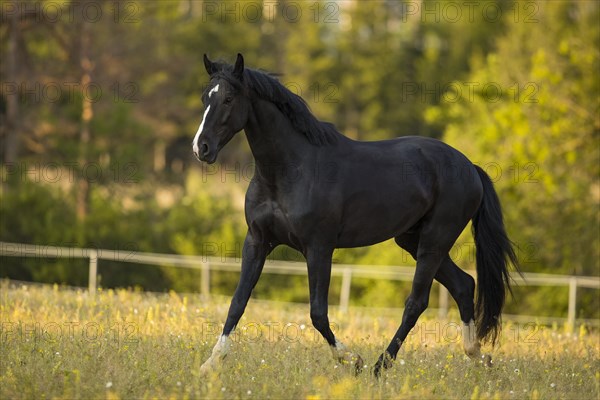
x,y
431,249
462,288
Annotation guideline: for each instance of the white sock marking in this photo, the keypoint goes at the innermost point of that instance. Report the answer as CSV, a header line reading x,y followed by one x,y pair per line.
x,y
218,353
195,142
470,342
338,349
222,346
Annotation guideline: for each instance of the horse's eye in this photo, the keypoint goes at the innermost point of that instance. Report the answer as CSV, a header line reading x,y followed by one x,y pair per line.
x,y
228,100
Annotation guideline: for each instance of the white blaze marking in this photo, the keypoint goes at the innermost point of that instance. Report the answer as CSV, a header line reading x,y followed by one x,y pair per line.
x,y
195,142
213,90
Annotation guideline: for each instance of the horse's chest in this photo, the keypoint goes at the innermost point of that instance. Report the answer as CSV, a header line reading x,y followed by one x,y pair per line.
x,y
288,219
291,224
290,215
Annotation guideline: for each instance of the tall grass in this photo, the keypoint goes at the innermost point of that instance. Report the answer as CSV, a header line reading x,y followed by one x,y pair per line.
x,y
60,343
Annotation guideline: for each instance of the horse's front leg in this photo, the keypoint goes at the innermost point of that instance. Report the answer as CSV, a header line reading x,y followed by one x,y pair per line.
x,y
254,254
319,275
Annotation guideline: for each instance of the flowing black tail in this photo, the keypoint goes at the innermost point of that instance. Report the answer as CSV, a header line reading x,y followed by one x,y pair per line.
x,y
494,252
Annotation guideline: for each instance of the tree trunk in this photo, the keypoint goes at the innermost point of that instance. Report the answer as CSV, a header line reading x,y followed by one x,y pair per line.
x,y
87,112
11,145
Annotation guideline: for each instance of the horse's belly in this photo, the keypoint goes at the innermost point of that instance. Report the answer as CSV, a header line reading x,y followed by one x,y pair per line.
x,y
377,223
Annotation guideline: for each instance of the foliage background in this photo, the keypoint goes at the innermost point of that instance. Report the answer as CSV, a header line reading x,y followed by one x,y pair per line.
x,y
513,85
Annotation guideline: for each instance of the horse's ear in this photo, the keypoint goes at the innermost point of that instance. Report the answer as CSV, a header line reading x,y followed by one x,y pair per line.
x,y
238,69
209,65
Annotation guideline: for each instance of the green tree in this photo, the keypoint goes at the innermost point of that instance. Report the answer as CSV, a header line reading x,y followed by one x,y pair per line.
x,y
533,122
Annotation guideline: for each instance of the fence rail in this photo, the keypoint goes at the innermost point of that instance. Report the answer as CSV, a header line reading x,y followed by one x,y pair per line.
x,y
346,271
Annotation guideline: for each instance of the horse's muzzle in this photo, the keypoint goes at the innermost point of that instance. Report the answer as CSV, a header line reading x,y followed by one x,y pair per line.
x,y
203,153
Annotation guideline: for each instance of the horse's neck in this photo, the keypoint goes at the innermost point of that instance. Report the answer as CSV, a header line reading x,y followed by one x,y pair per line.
x,y
272,138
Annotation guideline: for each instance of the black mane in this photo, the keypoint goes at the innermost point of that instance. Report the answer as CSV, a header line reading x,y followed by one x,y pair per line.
x,y
267,87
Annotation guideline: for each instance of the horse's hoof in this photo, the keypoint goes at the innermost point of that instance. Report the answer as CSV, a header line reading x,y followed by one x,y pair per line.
x,y
209,365
377,370
359,365
205,369
346,357
355,360
384,361
486,360
474,353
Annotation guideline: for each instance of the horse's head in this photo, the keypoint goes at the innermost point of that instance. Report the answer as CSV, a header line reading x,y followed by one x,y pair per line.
x,y
226,109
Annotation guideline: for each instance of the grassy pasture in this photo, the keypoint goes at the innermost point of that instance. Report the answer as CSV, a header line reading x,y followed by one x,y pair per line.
x,y
60,343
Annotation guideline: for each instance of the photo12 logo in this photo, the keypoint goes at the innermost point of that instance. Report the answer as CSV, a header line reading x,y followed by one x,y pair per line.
x,y
70,172
71,92
53,251
270,331
452,332
470,11
269,11
454,92
127,12
53,332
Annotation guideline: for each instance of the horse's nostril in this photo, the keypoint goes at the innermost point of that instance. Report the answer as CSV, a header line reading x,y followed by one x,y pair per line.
x,y
204,149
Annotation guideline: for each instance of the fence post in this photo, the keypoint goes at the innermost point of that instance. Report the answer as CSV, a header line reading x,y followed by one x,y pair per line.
x,y
345,292
572,302
443,302
93,274
205,283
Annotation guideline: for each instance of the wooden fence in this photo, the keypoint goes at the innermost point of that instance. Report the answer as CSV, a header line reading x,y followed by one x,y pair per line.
x,y
347,272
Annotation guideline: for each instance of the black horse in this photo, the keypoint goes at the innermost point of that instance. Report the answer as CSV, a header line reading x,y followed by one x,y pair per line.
x,y
316,190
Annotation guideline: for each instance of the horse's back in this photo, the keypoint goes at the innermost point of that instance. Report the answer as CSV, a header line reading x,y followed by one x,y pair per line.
x,y
390,185
425,162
